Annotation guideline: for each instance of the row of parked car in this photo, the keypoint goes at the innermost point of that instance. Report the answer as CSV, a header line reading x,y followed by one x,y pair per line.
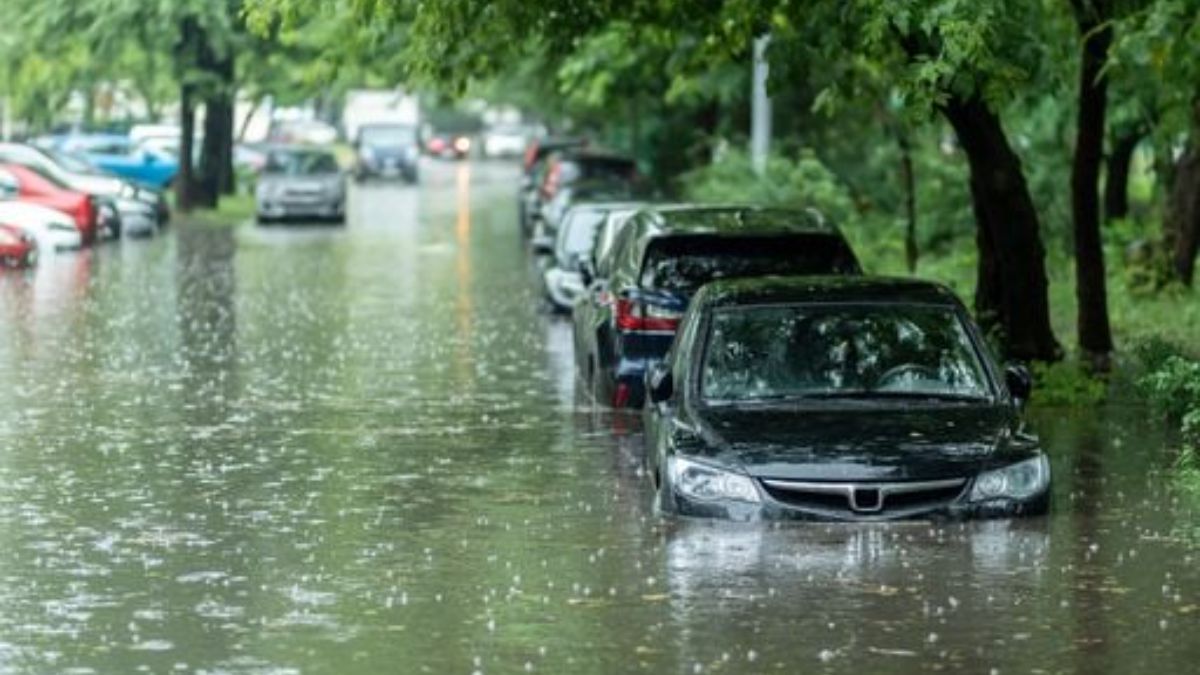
x,y
52,199
775,379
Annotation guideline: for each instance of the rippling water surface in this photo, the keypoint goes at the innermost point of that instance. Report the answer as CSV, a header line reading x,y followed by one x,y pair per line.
x,y
356,450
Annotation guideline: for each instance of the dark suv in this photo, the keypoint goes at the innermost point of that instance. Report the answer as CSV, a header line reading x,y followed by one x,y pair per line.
x,y
386,150
627,319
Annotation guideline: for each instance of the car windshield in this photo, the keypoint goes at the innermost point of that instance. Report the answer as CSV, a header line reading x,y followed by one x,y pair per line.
x,y
687,262
834,351
301,163
578,232
47,176
389,137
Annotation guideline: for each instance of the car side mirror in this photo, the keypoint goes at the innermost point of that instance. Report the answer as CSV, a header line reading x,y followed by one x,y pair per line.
x,y
149,158
1019,382
660,383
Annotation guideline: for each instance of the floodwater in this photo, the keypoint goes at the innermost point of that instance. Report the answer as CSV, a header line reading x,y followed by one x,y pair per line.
x,y
356,450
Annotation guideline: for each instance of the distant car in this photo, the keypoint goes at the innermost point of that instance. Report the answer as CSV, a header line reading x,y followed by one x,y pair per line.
x,y
52,229
300,182
30,185
123,157
625,323
563,279
448,145
533,169
539,149
827,398
506,140
17,248
584,192
564,169
386,151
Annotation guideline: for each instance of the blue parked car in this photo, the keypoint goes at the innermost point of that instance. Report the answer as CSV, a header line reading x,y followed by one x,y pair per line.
x,y
121,156
626,321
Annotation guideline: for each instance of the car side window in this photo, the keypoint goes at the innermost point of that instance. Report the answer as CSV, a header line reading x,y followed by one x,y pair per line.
x,y
9,187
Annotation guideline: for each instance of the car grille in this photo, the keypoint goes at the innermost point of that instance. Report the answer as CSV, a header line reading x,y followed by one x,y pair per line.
x,y
865,500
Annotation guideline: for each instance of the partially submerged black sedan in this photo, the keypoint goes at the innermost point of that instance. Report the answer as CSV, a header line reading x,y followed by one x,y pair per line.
x,y
838,398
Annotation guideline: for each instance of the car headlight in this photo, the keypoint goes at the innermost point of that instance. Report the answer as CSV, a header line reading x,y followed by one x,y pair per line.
x,y
707,483
1017,481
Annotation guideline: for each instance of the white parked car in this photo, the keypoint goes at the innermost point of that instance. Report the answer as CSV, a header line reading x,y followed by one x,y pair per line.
x,y
53,230
506,140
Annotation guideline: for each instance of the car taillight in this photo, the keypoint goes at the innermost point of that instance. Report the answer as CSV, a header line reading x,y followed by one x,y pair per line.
x,y
632,315
552,176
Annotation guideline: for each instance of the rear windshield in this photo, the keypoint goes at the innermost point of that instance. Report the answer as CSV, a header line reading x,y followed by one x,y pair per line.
x,y
301,163
389,137
685,263
598,169
578,233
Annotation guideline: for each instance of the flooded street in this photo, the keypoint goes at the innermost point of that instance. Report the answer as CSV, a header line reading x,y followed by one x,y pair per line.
x,y
357,450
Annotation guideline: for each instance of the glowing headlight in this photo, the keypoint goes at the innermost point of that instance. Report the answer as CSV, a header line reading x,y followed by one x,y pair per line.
x,y
1017,481
706,483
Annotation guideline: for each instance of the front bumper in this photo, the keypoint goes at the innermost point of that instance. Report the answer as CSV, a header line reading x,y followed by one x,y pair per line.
x,y
281,209
771,509
388,168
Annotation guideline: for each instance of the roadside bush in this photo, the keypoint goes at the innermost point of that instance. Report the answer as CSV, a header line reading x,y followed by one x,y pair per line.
x,y
1067,383
804,181
1173,387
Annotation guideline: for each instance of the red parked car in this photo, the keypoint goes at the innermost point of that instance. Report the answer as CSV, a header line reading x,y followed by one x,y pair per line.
x,y
31,185
17,248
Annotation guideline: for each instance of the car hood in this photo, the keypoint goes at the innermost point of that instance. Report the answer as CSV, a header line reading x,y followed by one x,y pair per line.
x,y
25,214
922,443
96,184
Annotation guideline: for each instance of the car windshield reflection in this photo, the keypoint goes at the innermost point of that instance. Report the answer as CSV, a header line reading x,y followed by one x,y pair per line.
x,y
826,352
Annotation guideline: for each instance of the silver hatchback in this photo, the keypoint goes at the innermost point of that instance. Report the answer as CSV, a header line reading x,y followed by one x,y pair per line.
x,y
301,183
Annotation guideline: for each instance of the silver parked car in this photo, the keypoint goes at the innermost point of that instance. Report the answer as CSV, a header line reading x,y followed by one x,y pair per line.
x,y
303,183
574,246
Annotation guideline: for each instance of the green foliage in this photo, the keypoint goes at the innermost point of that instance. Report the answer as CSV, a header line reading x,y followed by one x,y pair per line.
x,y
804,181
1173,387
1067,383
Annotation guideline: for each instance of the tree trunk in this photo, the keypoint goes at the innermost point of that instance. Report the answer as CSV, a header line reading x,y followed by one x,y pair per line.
x,y
187,129
1183,215
908,178
1116,173
1091,292
1011,293
245,125
216,152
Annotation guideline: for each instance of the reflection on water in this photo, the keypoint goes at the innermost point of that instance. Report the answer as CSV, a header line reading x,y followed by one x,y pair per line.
x,y
357,450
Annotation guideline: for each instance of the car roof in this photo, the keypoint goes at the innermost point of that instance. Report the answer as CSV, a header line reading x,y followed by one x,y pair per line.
x,y
824,289
591,154
606,206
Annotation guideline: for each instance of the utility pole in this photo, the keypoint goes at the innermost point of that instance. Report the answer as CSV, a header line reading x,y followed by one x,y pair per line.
x,y
760,107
